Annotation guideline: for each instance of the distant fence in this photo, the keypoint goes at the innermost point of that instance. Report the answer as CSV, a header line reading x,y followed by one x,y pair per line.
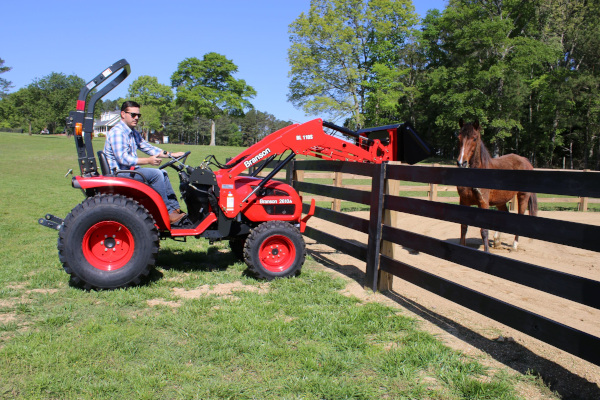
x,y
430,191
381,266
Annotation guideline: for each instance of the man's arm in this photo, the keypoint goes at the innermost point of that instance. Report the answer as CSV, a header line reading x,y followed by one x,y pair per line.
x,y
154,152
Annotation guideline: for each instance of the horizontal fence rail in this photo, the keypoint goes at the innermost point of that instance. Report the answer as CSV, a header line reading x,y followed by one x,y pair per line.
x,y
569,339
575,288
439,188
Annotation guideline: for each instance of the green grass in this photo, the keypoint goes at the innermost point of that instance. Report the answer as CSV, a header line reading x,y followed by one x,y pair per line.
x,y
289,339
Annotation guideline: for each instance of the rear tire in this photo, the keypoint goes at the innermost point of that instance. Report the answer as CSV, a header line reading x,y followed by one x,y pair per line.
x,y
275,249
108,242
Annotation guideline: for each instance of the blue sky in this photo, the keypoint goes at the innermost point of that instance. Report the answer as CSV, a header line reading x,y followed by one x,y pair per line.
x,y
85,36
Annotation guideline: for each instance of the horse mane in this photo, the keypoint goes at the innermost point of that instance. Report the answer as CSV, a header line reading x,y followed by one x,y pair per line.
x,y
481,157
484,155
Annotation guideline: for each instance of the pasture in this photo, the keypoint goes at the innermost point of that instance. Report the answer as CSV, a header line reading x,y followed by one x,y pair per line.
x,y
201,328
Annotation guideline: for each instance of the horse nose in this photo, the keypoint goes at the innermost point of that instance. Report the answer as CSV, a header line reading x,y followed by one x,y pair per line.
x,y
461,164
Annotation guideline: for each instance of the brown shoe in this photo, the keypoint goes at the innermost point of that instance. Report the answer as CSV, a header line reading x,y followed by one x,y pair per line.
x,y
176,216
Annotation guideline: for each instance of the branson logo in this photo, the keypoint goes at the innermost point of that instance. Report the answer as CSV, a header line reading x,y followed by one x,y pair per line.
x,y
257,158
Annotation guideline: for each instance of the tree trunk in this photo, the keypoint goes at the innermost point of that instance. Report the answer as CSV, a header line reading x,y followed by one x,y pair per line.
x,y
212,132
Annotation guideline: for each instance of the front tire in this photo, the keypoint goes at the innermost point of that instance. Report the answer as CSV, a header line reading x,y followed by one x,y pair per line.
x,y
108,242
274,249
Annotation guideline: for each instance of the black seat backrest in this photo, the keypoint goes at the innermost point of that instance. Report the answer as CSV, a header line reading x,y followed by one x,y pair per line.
x,y
104,164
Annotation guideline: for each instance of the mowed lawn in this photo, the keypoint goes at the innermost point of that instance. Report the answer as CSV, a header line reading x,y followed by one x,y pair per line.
x,y
201,328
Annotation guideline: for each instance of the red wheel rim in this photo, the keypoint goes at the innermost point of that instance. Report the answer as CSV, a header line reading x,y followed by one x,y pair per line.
x,y
277,253
108,245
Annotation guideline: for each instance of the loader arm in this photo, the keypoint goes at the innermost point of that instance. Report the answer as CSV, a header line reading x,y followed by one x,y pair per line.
x,y
311,140
308,139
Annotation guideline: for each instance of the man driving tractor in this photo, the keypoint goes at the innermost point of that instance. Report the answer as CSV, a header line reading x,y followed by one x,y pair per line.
x,y
122,143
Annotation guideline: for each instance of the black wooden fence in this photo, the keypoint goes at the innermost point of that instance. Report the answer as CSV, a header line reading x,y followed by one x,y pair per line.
x,y
575,288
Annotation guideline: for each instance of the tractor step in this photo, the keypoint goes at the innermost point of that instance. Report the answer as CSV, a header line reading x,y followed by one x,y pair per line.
x,y
51,221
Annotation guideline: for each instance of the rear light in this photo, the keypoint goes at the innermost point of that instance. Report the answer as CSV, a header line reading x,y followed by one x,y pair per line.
x,y
79,129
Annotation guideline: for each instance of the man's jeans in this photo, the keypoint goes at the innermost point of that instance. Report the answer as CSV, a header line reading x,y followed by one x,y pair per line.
x,y
159,180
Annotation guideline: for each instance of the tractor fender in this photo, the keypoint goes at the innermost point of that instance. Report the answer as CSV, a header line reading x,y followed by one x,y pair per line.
x,y
138,191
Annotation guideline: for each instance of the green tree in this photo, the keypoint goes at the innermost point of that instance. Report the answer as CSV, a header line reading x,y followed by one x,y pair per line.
x,y
207,88
4,84
53,96
257,124
344,51
109,105
156,100
571,93
147,91
19,109
484,69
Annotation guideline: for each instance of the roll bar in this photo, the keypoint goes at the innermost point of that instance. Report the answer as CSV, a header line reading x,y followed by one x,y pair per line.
x,y
82,122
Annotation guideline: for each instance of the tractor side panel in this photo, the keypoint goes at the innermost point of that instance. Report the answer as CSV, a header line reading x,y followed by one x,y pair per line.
x,y
275,201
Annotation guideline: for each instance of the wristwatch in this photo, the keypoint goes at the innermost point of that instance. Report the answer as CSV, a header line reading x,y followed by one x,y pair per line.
x,y
166,153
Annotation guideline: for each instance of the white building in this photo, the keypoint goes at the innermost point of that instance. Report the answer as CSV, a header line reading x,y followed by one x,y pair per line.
x,y
107,120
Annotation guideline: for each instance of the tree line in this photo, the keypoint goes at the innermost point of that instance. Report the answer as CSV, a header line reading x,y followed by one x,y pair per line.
x,y
205,93
529,72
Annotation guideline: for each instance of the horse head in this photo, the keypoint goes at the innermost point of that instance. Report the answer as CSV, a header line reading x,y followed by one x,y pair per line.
x,y
468,140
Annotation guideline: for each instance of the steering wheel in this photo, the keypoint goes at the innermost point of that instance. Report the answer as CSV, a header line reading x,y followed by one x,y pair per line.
x,y
173,161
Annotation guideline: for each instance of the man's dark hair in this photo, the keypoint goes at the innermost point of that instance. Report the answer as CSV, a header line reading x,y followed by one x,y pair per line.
x,y
129,103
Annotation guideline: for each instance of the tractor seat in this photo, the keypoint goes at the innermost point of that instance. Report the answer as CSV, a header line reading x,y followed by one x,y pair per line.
x,y
104,164
123,173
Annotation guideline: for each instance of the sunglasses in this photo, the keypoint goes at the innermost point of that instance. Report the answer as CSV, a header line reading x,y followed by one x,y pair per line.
x,y
133,115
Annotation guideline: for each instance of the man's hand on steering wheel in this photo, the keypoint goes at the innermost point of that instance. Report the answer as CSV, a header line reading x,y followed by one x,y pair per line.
x,y
176,157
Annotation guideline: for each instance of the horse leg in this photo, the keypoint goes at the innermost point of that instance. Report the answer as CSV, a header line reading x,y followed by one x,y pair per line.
x,y
485,238
463,234
497,243
463,227
483,202
523,200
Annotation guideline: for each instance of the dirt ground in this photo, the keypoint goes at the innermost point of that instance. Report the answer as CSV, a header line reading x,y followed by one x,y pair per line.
x,y
493,343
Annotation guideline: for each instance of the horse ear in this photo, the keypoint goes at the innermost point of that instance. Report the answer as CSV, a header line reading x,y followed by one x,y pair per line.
x,y
461,122
476,125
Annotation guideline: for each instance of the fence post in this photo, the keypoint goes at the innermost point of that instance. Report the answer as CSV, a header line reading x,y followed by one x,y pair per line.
x,y
289,172
433,189
375,217
390,218
583,201
336,204
297,174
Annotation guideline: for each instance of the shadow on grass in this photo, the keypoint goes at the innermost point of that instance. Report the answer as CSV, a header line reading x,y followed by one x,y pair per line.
x,y
560,380
188,261
209,260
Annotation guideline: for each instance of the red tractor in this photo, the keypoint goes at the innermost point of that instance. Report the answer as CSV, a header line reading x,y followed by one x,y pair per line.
x,y
112,238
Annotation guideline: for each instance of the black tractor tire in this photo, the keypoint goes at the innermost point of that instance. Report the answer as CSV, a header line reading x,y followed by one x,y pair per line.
x,y
108,242
274,249
237,246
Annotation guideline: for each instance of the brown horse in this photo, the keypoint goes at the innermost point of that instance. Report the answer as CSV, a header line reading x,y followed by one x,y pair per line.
x,y
472,153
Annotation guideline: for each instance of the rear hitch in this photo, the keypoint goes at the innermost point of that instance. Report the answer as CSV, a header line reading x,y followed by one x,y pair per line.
x,y
51,221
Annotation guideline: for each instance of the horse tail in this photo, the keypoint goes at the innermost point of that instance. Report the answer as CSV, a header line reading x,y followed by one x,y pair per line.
x,y
533,206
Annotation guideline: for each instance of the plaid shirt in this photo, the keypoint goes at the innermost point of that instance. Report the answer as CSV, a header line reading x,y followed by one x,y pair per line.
x,y
122,144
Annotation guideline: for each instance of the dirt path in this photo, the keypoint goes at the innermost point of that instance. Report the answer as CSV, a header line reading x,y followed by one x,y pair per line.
x,y
494,343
